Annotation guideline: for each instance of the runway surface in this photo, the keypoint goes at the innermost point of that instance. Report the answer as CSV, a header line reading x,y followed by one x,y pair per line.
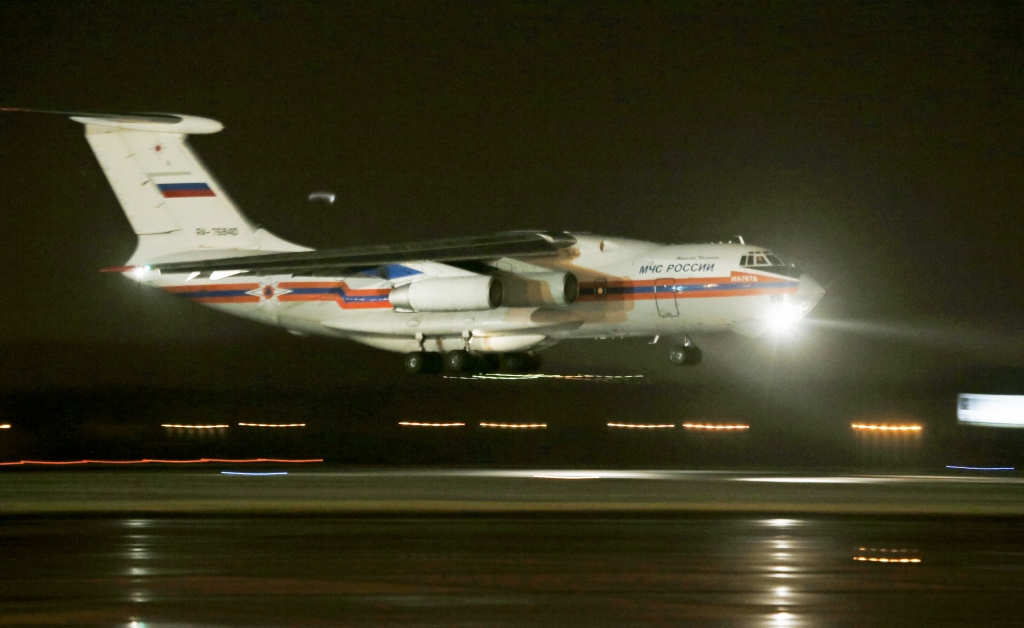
x,y
151,572
216,488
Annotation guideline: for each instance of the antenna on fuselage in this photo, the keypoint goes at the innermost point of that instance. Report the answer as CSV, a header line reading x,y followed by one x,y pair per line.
x,y
740,238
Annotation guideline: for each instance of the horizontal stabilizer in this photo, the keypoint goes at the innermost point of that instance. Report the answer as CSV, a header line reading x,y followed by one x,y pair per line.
x,y
152,122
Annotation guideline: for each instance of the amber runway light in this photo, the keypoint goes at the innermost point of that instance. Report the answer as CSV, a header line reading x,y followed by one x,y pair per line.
x,y
885,428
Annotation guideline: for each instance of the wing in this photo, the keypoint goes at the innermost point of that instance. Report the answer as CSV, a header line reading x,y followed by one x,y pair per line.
x,y
337,261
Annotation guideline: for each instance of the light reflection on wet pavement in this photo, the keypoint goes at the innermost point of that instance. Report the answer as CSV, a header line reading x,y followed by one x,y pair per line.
x,y
518,571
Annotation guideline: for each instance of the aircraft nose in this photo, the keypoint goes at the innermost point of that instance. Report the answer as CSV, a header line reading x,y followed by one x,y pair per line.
x,y
808,292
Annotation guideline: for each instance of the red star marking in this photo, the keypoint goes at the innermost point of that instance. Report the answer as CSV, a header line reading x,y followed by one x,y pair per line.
x,y
158,148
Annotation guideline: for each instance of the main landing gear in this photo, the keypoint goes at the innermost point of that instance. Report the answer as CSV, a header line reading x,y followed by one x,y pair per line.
x,y
688,354
467,362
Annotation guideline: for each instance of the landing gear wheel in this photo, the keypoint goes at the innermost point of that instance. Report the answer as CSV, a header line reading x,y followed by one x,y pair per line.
x,y
423,362
458,361
685,356
520,362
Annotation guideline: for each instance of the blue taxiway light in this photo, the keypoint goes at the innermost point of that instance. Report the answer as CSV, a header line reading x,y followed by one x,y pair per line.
x,y
950,466
254,473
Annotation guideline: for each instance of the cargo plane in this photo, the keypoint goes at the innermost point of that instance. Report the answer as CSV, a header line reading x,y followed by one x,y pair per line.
x,y
456,304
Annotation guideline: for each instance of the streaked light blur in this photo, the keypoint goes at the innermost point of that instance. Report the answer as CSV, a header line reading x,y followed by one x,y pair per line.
x,y
160,461
272,424
195,427
532,376
566,476
952,466
415,424
5,426
991,410
642,426
516,426
715,426
886,428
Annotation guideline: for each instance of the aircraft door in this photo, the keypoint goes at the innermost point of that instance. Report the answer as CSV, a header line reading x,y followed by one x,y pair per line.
x,y
665,297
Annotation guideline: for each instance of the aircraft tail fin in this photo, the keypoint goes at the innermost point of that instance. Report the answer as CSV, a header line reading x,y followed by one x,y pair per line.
x,y
172,201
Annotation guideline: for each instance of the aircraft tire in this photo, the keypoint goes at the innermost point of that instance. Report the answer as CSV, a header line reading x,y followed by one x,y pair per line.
x,y
458,361
424,362
685,356
519,362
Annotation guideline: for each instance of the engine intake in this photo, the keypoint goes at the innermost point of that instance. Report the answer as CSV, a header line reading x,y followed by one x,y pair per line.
x,y
449,294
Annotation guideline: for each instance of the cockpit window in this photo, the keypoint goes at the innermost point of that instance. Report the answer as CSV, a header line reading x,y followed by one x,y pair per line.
x,y
762,259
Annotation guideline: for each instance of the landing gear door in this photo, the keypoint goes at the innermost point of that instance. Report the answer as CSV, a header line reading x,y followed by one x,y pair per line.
x,y
665,297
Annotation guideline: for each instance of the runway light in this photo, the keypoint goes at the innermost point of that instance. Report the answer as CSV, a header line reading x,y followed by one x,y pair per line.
x,y
253,473
713,426
516,426
950,466
272,424
158,461
886,428
194,427
414,424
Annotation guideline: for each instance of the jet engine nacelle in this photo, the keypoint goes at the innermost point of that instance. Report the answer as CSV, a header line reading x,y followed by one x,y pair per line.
x,y
540,289
449,294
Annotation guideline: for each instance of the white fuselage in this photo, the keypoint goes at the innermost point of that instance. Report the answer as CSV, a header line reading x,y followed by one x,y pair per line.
x,y
626,288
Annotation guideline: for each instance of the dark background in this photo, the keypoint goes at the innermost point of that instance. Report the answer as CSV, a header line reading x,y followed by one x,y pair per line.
x,y
878,145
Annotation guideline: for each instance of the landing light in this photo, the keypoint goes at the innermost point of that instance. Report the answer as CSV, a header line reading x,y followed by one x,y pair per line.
x,y
784,316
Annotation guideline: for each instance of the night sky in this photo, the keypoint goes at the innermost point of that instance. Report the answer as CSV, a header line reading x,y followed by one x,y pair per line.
x,y
877,145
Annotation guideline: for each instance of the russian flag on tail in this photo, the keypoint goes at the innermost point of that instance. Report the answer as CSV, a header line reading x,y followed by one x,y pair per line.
x,y
183,190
